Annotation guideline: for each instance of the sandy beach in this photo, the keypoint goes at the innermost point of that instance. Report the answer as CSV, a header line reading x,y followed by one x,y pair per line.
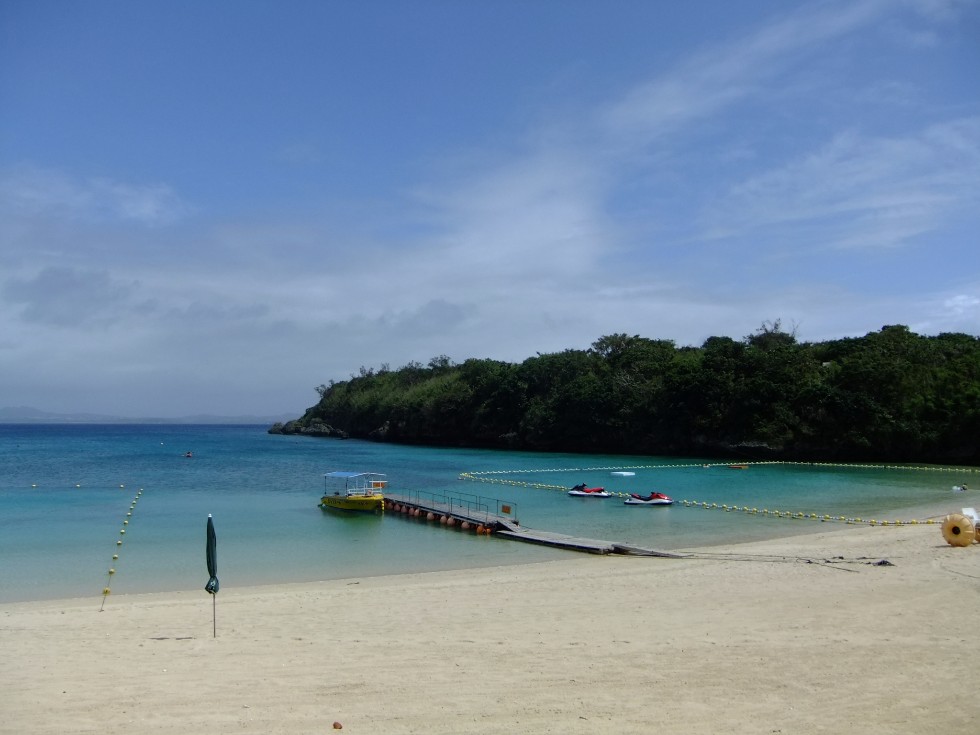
x,y
800,635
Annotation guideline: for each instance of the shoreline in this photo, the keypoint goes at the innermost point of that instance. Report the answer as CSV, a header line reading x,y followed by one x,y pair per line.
x,y
928,515
796,634
789,528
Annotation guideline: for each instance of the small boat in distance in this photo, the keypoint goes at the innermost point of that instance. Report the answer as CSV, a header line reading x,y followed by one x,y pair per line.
x,y
738,466
651,499
581,491
360,492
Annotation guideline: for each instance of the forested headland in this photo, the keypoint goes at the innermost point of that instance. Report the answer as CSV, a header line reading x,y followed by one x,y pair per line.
x,y
891,395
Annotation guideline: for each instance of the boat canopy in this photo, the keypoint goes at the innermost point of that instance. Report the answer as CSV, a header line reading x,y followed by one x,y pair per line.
x,y
356,482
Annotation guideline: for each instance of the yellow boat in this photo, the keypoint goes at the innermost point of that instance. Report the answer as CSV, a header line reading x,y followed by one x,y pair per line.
x,y
361,492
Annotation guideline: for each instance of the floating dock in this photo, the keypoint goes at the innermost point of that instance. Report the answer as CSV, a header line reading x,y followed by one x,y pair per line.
x,y
499,518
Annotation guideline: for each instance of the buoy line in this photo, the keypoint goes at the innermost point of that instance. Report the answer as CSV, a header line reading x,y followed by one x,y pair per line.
x,y
107,590
799,515
493,477
483,475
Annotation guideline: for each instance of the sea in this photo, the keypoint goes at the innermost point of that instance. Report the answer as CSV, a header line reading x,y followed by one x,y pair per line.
x,y
77,500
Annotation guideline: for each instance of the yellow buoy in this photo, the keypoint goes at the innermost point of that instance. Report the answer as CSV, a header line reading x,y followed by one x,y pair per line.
x,y
958,530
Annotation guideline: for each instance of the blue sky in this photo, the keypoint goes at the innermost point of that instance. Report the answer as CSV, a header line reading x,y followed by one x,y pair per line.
x,y
215,207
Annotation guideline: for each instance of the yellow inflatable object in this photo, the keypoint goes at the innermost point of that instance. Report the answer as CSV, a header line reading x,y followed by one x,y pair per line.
x,y
958,530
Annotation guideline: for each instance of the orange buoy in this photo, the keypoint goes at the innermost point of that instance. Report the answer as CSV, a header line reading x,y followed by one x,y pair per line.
x,y
431,516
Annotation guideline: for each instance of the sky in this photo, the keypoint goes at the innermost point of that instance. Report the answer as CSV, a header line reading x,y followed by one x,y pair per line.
x,y
214,207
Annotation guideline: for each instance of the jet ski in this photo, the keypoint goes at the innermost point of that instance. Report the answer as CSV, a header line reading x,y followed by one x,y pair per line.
x,y
651,499
581,491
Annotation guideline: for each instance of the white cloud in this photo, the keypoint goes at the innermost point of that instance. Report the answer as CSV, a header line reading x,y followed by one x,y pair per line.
x,y
34,191
64,297
964,305
526,219
718,77
514,253
861,191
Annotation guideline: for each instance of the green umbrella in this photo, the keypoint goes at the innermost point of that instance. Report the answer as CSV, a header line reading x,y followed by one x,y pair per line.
x,y
212,585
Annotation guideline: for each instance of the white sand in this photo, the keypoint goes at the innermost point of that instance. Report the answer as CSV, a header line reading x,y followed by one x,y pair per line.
x,y
738,644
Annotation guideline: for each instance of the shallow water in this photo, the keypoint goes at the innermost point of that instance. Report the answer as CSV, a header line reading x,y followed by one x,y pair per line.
x,y
66,490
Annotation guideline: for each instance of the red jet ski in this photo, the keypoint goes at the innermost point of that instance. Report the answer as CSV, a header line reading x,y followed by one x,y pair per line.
x,y
651,499
581,491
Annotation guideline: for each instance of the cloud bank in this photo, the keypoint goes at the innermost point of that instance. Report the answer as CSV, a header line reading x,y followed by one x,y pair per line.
x,y
753,178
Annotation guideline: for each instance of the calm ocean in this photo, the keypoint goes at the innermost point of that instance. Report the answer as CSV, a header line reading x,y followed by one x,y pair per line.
x,y
65,491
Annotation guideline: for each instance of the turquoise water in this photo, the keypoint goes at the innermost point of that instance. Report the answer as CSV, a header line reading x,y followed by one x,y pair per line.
x,y
65,491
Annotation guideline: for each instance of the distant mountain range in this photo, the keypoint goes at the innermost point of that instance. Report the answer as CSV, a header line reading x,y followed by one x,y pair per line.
x,y
27,415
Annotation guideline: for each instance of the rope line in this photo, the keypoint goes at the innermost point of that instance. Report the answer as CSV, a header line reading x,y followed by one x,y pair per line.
x,y
107,590
803,516
495,477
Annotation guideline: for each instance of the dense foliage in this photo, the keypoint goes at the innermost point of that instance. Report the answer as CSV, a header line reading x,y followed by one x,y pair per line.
x,y
890,395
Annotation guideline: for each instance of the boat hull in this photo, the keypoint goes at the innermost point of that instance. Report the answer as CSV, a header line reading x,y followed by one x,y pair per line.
x,y
655,501
584,494
353,503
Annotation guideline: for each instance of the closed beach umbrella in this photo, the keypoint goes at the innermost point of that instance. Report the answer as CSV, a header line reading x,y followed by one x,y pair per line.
x,y
212,585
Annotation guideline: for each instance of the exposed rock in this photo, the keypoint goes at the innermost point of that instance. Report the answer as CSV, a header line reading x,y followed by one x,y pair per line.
x,y
381,433
316,428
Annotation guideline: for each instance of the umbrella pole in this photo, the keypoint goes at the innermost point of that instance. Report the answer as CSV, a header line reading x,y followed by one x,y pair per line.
x,y
214,615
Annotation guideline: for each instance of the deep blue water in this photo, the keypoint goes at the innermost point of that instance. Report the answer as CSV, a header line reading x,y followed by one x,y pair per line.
x,y
65,491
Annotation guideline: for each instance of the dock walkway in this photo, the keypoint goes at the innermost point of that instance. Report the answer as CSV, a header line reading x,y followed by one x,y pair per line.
x,y
476,511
